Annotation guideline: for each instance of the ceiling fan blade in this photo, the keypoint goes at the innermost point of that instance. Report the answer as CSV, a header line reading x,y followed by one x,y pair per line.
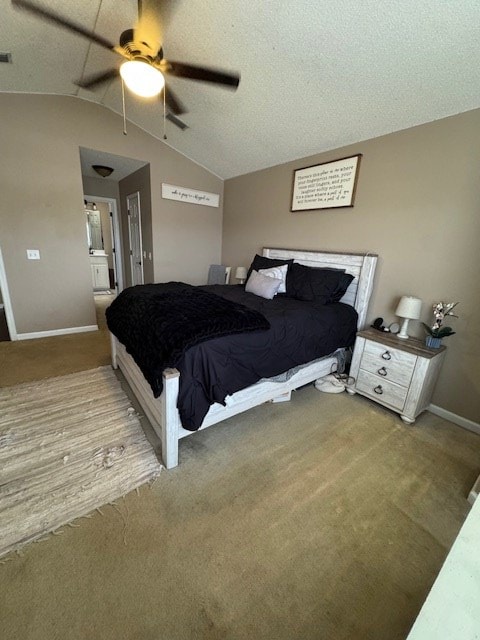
x,y
96,79
176,121
173,101
54,18
204,74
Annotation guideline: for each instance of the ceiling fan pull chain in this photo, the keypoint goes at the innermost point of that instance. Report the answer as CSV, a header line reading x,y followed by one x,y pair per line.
x,y
123,108
142,71
164,114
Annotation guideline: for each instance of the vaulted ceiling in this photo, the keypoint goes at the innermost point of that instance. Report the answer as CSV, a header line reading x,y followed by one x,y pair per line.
x,y
315,74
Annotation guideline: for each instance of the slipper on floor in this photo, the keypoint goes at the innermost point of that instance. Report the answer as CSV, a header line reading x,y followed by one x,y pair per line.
x,y
329,384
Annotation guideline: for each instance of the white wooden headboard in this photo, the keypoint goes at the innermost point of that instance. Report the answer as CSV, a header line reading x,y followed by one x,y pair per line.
x,y
361,266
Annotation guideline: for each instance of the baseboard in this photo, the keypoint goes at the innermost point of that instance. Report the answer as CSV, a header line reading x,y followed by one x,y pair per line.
x,y
453,417
56,332
474,493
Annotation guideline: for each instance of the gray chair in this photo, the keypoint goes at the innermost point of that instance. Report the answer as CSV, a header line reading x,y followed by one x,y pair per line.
x,y
218,274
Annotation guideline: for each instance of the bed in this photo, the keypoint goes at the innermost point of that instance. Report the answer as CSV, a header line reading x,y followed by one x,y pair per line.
x,y
163,411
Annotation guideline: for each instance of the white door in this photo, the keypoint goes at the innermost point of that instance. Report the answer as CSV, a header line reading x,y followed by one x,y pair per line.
x,y
135,237
5,298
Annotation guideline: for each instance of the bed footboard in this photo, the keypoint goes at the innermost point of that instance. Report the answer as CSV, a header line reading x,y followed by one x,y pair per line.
x,y
170,422
163,414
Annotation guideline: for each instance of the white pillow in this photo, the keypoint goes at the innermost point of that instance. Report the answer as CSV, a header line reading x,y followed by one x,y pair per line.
x,y
263,286
277,272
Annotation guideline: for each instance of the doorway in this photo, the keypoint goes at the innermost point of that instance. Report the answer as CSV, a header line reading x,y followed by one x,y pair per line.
x,y
8,329
127,187
114,238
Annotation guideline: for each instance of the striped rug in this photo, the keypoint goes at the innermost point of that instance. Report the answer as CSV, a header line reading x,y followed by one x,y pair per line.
x,y
68,445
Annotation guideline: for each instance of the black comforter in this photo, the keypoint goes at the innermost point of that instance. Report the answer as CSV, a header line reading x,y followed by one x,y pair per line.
x,y
217,367
158,323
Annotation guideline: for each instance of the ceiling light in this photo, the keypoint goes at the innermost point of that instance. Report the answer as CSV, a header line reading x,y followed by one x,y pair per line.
x,y
141,78
102,171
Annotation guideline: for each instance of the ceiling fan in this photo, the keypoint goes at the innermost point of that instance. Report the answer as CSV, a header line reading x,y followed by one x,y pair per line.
x,y
144,66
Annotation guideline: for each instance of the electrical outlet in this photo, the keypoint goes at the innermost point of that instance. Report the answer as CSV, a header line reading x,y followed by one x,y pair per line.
x,y
33,254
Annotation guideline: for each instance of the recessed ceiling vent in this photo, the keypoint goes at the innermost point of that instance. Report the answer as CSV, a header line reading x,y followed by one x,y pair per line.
x,y
5,57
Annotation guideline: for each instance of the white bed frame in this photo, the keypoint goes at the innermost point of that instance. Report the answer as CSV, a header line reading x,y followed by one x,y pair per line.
x,y
162,412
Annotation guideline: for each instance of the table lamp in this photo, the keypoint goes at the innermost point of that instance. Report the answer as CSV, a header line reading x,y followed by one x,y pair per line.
x,y
409,309
241,274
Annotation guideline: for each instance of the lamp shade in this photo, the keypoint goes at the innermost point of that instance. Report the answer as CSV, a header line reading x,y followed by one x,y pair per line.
x,y
240,273
409,307
102,170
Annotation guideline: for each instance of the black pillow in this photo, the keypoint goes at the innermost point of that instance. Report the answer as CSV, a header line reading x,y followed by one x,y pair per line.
x,y
321,285
343,285
259,262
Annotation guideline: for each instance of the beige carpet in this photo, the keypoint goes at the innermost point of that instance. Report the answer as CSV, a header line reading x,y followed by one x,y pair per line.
x,y
27,360
325,518
68,445
317,519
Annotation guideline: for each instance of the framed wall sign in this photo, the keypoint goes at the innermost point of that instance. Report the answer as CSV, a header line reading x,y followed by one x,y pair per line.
x,y
193,196
330,185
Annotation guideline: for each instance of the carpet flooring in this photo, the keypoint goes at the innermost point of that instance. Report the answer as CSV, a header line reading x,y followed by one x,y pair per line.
x,y
27,360
322,518
68,445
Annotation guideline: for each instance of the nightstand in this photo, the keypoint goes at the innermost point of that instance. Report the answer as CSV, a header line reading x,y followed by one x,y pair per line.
x,y
399,374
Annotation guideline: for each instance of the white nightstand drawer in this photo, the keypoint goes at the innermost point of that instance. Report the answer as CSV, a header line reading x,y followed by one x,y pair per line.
x,y
381,390
388,363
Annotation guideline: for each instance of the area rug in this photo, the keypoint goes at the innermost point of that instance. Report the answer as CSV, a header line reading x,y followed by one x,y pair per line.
x,y
68,445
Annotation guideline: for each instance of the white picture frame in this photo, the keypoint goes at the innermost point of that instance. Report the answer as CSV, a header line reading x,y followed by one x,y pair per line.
x,y
191,196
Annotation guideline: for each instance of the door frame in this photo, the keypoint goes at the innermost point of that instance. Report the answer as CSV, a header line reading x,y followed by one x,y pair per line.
x,y
7,302
135,194
116,238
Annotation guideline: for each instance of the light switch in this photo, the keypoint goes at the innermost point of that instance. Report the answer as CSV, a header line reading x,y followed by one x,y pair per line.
x,y
149,255
144,254
33,254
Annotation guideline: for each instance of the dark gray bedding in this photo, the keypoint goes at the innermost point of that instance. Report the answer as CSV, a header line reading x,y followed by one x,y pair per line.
x,y
158,323
299,332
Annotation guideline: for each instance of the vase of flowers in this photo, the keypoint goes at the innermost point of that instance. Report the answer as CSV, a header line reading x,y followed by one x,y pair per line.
x,y
432,342
436,332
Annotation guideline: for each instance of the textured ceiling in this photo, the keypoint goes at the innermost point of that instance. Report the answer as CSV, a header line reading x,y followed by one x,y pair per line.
x,y
315,75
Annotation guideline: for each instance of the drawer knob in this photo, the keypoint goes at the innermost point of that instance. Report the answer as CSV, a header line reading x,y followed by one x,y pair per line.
x,y
387,355
378,389
382,372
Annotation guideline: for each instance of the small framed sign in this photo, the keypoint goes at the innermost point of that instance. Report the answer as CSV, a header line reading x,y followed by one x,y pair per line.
x,y
192,196
330,185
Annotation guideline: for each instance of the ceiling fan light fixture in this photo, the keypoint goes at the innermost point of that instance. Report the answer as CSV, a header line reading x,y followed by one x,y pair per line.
x,y
141,78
